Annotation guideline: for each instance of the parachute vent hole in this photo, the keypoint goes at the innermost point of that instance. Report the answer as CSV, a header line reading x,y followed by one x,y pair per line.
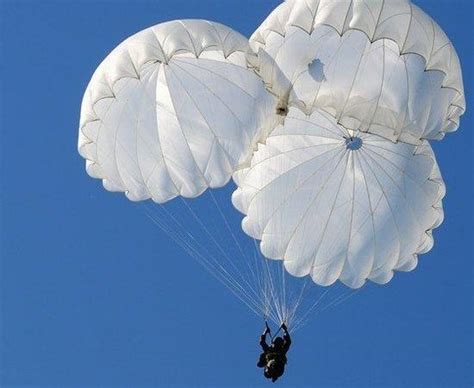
x,y
353,143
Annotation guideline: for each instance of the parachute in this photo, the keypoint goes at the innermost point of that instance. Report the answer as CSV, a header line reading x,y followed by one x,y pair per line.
x,y
337,205
323,120
173,110
383,67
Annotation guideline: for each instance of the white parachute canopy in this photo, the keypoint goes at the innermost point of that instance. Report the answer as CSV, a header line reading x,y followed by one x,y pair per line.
x,y
172,111
383,67
337,204
323,121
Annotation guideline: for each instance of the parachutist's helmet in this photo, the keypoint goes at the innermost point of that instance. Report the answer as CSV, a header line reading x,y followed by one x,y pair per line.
x,y
278,342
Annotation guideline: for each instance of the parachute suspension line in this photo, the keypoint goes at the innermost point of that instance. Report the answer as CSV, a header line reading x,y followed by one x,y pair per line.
x,y
270,304
259,283
266,293
266,283
208,254
272,296
260,289
286,309
237,244
205,263
214,267
303,292
263,288
223,252
284,305
230,275
336,301
277,286
341,299
301,321
262,285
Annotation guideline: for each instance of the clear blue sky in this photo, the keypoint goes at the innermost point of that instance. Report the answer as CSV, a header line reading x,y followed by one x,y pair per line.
x,y
93,295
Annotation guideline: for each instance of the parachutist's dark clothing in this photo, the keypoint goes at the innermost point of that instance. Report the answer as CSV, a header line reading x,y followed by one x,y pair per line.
x,y
273,358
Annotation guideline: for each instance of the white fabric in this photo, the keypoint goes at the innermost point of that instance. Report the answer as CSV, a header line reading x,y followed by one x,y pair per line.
x,y
380,66
335,213
172,111
343,187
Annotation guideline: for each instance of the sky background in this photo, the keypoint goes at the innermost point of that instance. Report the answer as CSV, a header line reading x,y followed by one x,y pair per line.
x,y
94,295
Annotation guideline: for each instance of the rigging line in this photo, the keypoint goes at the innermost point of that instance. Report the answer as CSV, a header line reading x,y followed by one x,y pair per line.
x,y
298,300
271,271
348,297
335,302
283,271
258,270
275,296
188,249
269,286
310,310
223,276
251,289
175,220
271,299
305,318
280,276
266,297
190,235
342,298
306,289
258,281
216,229
219,208
269,295
260,273
216,271
265,286
181,241
225,281
269,291
279,287
216,262
266,305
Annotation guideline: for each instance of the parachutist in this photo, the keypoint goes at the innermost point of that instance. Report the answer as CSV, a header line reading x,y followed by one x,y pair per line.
x,y
273,359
